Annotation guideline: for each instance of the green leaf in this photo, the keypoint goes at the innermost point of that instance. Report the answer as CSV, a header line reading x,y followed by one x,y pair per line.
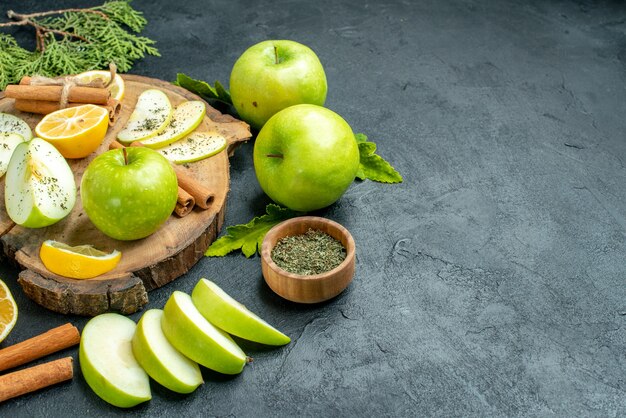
x,y
249,237
372,166
204,89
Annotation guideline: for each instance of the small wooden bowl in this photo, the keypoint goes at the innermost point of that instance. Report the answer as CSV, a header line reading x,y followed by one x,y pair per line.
x,y
313,288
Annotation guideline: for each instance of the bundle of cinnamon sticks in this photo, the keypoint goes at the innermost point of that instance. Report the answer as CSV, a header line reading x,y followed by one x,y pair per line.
x,y
44,98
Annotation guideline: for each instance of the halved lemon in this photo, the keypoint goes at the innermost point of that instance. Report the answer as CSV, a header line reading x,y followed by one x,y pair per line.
x,y
116,87
79,262
75,131
8,311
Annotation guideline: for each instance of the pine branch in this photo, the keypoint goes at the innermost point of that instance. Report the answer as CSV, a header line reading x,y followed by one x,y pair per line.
x,y
70,41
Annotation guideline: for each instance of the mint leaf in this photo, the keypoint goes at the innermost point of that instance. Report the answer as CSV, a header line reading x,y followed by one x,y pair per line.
x,y
372,166
249,237
204,89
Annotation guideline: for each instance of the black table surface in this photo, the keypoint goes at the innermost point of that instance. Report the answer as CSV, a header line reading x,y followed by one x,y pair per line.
x,y
490,282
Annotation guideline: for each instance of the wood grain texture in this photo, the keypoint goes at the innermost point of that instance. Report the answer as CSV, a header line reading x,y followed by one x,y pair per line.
x,y
314,288
146,264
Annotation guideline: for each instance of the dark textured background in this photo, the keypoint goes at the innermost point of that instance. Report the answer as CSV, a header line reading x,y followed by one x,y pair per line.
x,y
490,282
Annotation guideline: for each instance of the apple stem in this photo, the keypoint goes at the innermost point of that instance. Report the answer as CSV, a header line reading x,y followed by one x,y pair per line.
x,y
274,155
125,156
276,54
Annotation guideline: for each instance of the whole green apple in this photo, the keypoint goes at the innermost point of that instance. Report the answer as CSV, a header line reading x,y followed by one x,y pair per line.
x,y
128,193
273,75
305,157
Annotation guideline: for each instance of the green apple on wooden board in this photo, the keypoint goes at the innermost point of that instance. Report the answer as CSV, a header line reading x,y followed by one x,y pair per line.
x,y
195,337
107,361
39,188
185,118
128,193
160,359
231,316
273,75
151,115
12,124
305,157
8,143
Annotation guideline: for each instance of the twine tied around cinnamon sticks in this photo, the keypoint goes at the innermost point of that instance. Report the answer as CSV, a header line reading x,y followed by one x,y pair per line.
x,y
69,82
45,95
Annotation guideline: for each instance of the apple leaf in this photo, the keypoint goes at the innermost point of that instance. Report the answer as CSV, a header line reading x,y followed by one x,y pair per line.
x,y
249,237
204,89
373,166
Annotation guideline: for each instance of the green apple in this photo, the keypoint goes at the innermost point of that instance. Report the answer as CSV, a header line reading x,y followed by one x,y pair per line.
x,y
194,147
12,124
160,359
197,338
231,316
151,115
39,188
128,193
107,361
305,157
8,143
186,117
273,75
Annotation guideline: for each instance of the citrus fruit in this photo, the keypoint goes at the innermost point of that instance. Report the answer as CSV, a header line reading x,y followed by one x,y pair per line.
x,y
12,124
194,147
186,117
152,114
116,87
8,311
75,131
79,262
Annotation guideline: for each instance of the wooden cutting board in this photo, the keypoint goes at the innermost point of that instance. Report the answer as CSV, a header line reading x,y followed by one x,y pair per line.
x,y
146,264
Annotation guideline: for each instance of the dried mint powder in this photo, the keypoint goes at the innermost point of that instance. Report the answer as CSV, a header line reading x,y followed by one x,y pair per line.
x,y
313,252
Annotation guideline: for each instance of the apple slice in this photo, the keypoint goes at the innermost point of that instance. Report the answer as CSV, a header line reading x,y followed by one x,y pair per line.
x,y
197,338
151,116
226,313
107,361
186,117
8,142
160,359
39,188
194,147
12,124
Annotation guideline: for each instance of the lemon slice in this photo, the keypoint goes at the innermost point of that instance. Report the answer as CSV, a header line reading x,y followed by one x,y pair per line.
x,y
151,116
8,143
12,124
8,311
75,131
195,147
116,87
79,262
186,117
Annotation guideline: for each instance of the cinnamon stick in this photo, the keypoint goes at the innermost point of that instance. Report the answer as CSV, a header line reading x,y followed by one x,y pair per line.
x,y
37,347
53,93
35,378
184,204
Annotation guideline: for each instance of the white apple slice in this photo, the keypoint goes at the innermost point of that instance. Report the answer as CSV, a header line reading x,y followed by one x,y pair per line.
x,y
39,188
231,316
194,147
12,124
186,117
8,142
197,338
107,361
160,359
150,117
